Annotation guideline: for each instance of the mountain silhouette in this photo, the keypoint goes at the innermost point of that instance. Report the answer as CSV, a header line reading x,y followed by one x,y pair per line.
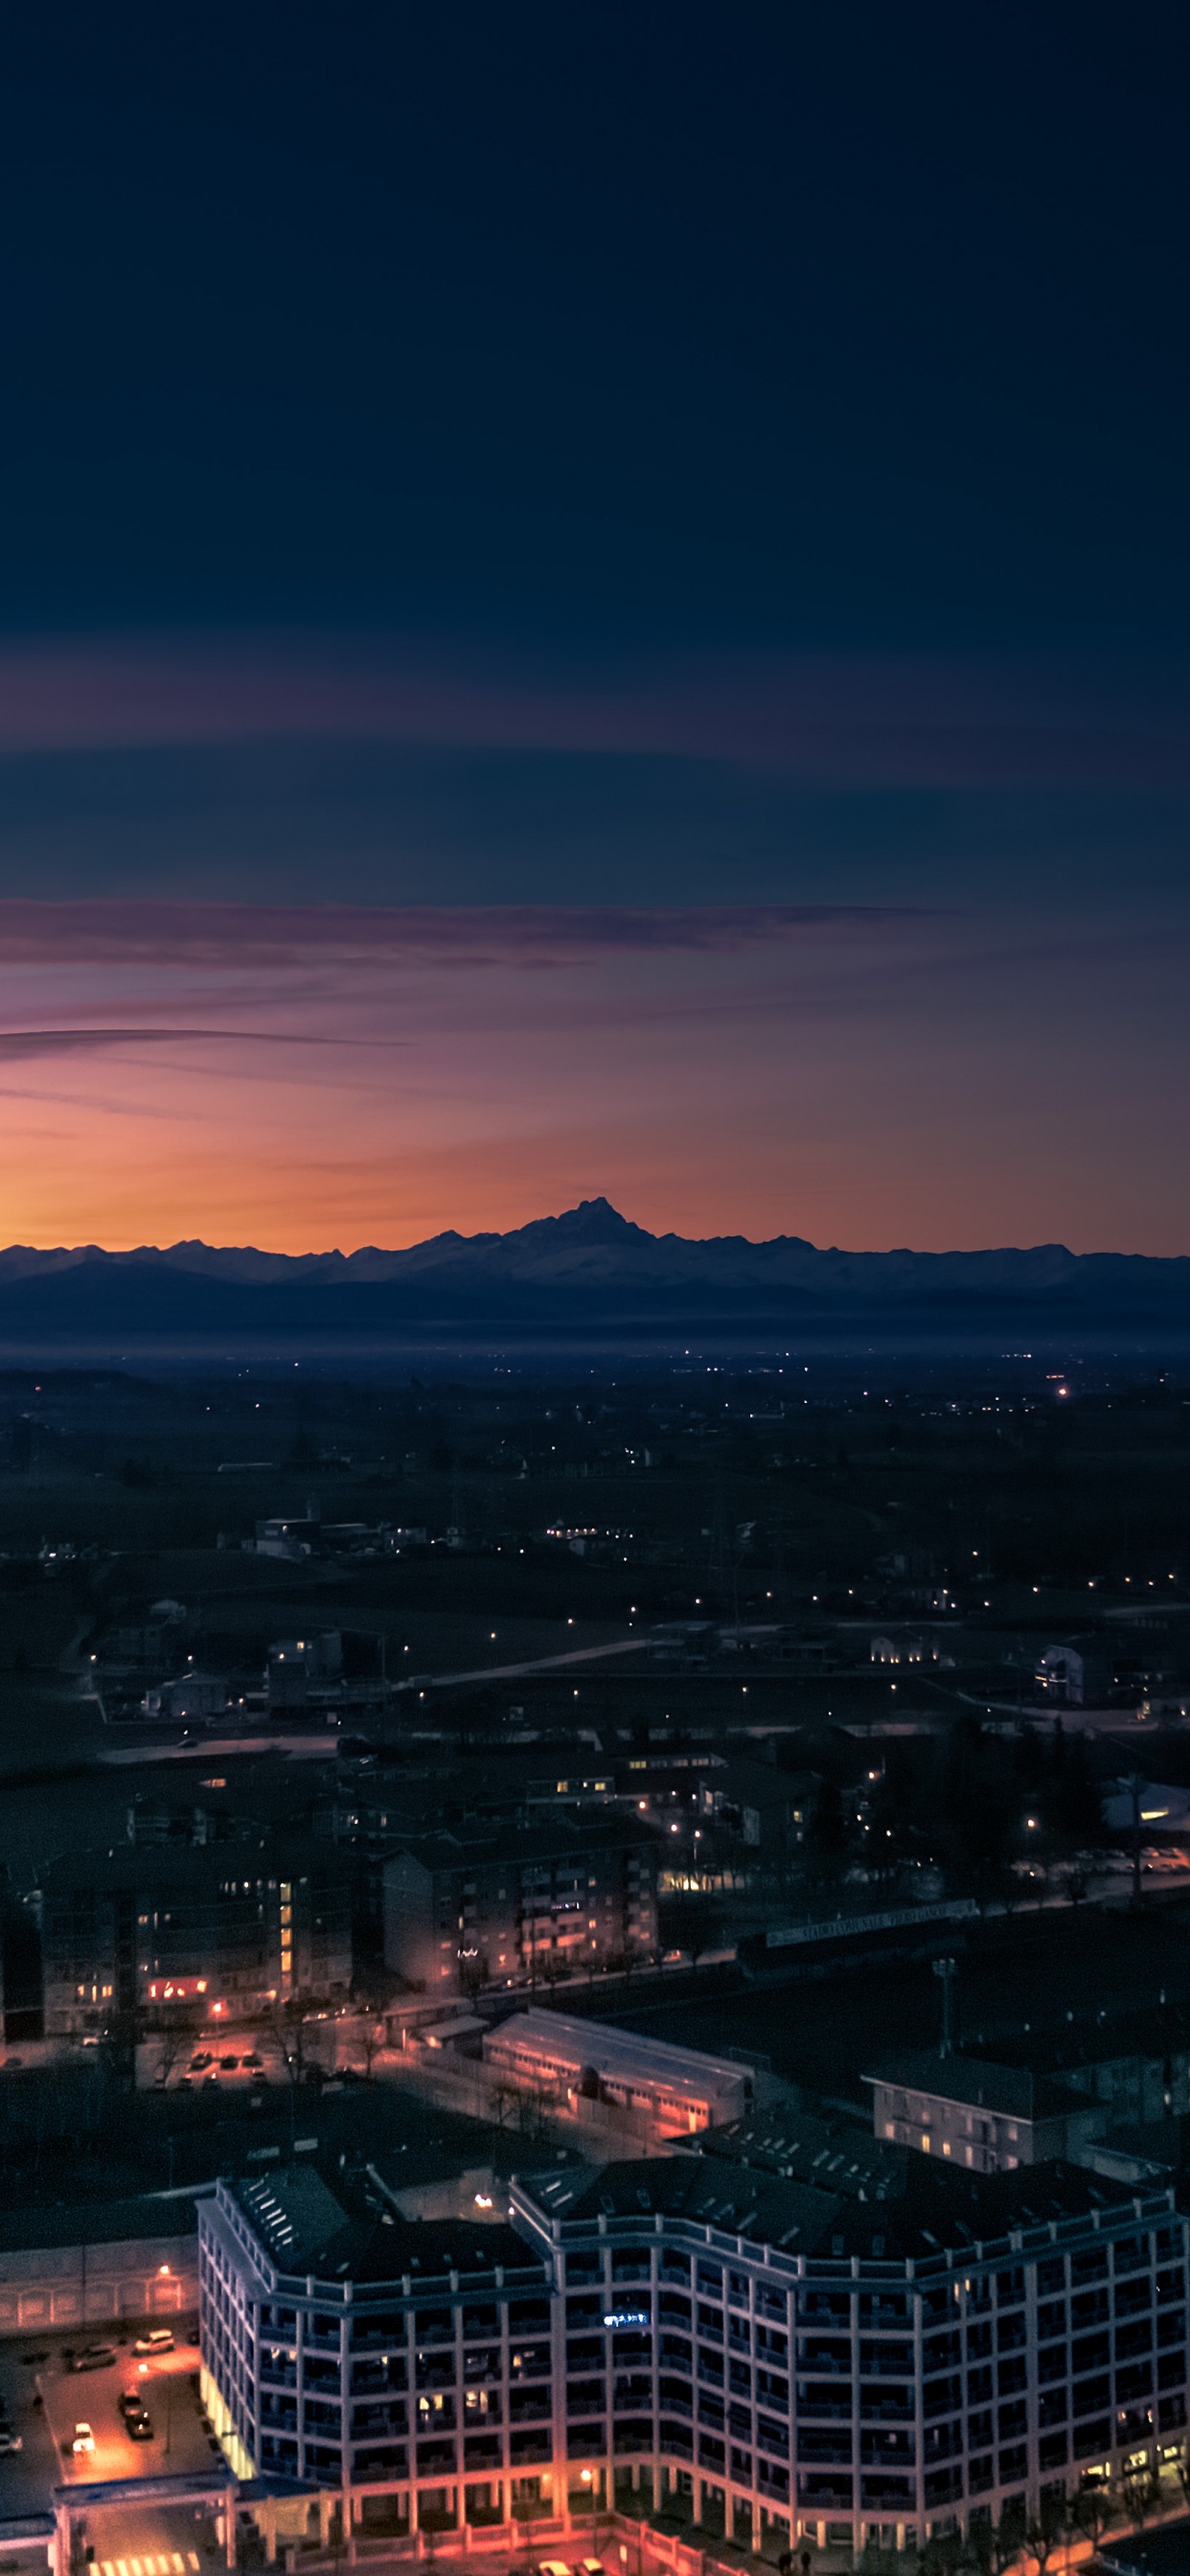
x,y
589,1270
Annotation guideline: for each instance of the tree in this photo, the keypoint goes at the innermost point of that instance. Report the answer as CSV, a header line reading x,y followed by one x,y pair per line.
x,y
1141,2490
1092,2508
828,1833
171,2040
1046,2528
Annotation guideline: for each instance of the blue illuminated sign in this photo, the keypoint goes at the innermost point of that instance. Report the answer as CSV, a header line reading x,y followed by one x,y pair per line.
x,y
627,2317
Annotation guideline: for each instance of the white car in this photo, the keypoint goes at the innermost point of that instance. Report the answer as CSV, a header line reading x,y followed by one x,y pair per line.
x,y
84,2439
160,2340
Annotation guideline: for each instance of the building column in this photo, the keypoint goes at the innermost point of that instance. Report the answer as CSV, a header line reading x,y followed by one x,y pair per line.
x,y
60,2544
269,2519
325,2506
755,2541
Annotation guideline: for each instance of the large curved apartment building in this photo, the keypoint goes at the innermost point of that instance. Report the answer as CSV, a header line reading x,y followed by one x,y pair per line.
x,y
785,2358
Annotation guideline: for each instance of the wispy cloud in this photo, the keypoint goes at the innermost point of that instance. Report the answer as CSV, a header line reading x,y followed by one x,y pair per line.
x,y
16,1044
855,719
221,934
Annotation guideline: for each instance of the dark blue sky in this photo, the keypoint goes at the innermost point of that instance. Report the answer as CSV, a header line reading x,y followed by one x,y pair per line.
x,y
600,323
598,332
638,454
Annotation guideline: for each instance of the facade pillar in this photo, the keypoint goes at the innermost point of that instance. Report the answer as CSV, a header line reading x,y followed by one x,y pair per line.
x,y
325,2505
755,2541
269,2519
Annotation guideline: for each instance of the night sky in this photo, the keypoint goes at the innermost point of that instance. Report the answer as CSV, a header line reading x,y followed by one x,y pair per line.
x,y
594,598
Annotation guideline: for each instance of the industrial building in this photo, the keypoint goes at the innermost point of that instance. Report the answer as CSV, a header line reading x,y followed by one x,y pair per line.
x,y
670,2092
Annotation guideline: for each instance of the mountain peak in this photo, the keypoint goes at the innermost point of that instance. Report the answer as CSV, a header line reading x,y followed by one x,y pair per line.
x,y
593,1221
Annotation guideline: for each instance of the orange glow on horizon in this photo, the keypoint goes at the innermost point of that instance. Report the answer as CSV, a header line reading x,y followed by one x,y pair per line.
x,y
855,1084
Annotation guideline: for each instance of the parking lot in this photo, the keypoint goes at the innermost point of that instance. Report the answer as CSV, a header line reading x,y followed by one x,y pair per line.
x,y
46,2398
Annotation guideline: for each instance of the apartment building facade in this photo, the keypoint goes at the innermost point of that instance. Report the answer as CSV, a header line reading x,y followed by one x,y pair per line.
x,y
209,1932
985,2117
519,1906
780,2362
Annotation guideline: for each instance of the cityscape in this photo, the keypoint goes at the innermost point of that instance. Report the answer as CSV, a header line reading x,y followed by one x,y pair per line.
x,y
594,1289
607,1951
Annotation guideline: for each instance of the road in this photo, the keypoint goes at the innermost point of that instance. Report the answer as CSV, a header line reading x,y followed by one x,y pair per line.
x,y
517,1672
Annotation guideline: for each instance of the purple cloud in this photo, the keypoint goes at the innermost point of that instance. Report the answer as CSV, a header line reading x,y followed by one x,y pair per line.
x,y
827,719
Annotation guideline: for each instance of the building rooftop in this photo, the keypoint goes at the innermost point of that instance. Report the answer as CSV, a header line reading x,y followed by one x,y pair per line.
x,y
1016,2092
476,1842
799,2146
579,2044
939,2208
303,2227
97,2222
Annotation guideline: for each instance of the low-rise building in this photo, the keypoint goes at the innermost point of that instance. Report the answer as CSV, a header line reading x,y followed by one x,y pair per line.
x,y
189,1695
985,2117
571,2063
109,2261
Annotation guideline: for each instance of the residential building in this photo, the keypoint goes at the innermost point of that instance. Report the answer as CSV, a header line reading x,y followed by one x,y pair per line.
x,y
987,2118
483,1907
215,1931
776,2360
376,2356
1041,2101
190,1695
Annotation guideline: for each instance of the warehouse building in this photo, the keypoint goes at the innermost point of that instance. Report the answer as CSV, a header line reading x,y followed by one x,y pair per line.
x,y
668,2092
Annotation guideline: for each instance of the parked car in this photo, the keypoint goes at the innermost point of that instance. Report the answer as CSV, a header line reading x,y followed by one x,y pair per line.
x,y
139,2426
200,2061
84,2439
9,2441
229,2064
158,2339
94,2356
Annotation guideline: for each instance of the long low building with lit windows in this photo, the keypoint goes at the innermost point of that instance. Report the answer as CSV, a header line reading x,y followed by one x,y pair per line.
x,y
756,2353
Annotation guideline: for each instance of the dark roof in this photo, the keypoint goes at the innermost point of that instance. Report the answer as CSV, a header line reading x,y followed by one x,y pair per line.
x,y
97,2222
834,2155
938,2207
304,2228
730,2197
976,2082
157,1869
470,1846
